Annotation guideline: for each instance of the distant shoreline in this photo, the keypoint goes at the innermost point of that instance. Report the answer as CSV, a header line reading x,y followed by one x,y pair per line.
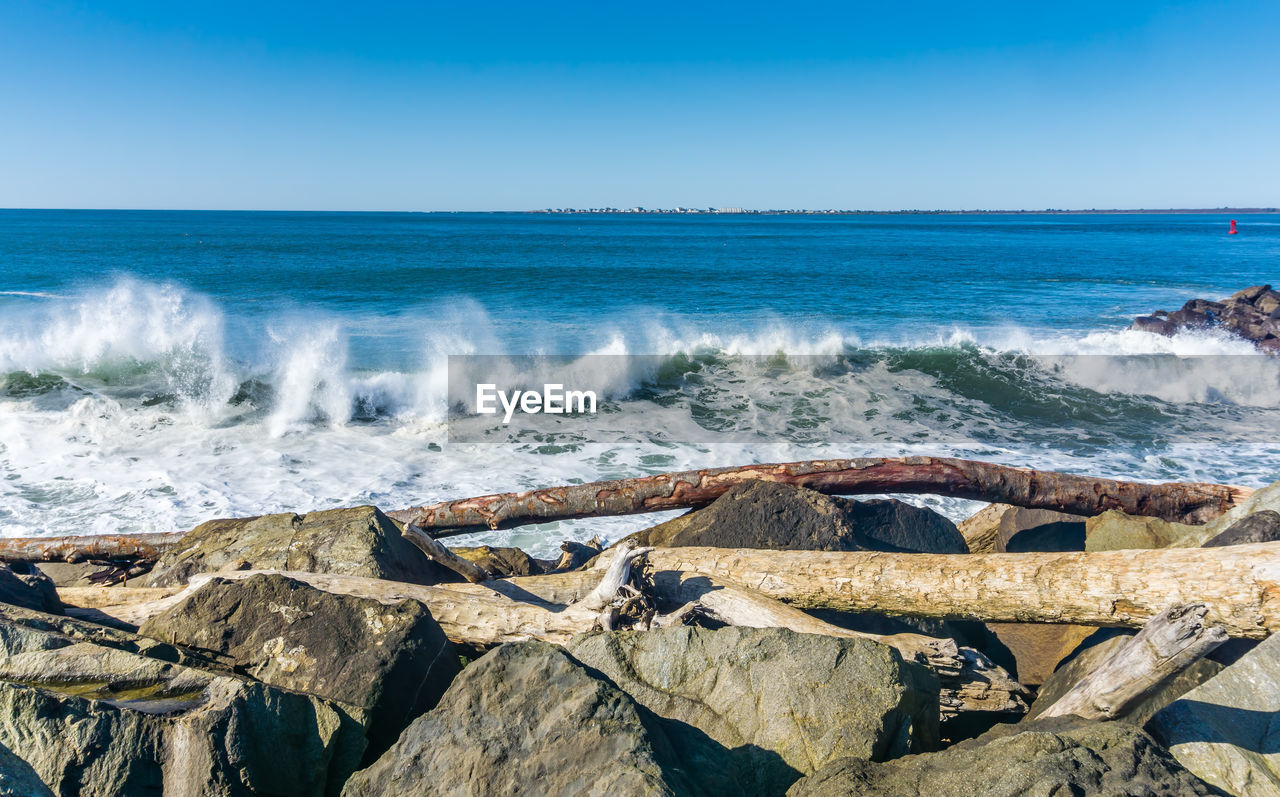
x,y
752,212
693,211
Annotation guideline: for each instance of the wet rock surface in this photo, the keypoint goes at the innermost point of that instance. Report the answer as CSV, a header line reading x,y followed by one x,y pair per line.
x,y
1252,314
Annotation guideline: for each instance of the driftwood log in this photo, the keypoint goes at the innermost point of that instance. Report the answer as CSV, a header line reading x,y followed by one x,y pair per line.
x,y
1171,642
957,478
982,481
553,608
1238,584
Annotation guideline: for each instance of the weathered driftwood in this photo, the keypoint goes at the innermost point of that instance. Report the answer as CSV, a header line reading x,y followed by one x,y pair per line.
x,y
983,481
970,681
78,549
514,610
1172,641
438,553
1239,584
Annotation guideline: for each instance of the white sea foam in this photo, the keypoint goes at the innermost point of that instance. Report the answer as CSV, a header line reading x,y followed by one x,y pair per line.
x,y
324,432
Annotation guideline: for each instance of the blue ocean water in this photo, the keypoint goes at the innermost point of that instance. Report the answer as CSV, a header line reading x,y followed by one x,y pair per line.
x,y
163,368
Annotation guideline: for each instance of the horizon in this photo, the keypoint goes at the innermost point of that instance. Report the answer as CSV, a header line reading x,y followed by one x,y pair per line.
x,y
674,210
410,107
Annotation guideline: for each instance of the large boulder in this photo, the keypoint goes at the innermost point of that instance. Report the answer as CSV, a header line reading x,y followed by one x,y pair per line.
x,y
1261,526
91,719
391,662
782,517
1115,531
784,704
29,588
1096,649
1266,498
1250,314
1052,756
501,562
360,541
527,719
1227,730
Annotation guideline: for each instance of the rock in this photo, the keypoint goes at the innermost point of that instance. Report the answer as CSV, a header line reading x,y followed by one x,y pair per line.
x,y
979,530
1263,526
783,703
783,517
18,779
1250,294
501,562
1154,324
1001,528
1227,730
23,585
526,718
1039,647
1115,531
1262,499
360,541
1022,530
1250,314
1092,652
90,719
389,662
69,574
1052,756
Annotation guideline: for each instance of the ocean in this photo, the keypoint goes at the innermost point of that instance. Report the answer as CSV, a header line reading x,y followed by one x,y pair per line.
x,y
159,369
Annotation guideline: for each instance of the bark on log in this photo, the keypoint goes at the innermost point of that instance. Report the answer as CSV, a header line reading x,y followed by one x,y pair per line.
x,y
1239,584
957,478
511,610
77,549
1172,641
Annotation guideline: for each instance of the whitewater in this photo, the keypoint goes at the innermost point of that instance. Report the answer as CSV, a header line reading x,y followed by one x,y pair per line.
x,y
145,398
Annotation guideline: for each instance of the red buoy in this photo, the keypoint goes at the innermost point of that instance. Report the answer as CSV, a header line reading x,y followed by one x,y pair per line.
x,y
1233,229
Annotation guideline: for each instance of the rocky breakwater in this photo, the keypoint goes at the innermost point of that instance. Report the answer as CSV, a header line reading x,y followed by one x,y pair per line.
x,y
327,654
1252,314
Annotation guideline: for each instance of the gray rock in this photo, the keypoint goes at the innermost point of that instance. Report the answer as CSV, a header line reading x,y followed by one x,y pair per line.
x,y
1227,730
69,574
527,719
360,541
1261,526
1092,652
1022,530
784,704
391,662
501,562
90,719
1115,531
18,779
27,587
1053,756
1263,499
782,517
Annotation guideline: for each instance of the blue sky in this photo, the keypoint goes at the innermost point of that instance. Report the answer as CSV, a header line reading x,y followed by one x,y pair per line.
x,y
485,106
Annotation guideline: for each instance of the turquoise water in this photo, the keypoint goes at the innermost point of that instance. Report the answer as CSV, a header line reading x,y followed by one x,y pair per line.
x,y
163,368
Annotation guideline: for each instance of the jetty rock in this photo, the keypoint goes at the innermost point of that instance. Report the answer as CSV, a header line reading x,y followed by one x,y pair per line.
x,y
389,662
1252,314
673,711
1055,755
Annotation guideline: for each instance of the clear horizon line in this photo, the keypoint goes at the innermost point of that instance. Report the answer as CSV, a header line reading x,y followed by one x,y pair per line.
x,y
678,210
